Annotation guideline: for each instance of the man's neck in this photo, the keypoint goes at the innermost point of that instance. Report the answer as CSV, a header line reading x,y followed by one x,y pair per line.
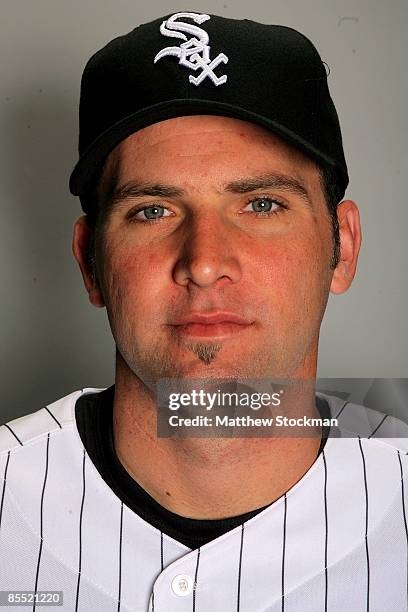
x,y
206,478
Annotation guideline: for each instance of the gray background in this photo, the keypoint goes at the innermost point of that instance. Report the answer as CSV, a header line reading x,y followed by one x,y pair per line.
x,y
53,340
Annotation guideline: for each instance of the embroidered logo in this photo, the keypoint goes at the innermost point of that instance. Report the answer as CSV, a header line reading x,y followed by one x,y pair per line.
x,y
194,53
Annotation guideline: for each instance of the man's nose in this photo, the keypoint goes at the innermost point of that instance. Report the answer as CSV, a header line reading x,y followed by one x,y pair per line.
x,y
208,253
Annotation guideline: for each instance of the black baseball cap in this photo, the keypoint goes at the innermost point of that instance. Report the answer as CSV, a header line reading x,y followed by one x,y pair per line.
x,y
191,63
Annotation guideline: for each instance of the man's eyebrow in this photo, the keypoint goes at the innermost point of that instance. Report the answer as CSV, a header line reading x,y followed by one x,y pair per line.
x,y
135,189
271,180
283,182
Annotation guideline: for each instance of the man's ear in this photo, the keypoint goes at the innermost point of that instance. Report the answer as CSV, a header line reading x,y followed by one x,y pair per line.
x,y
350,241
80,241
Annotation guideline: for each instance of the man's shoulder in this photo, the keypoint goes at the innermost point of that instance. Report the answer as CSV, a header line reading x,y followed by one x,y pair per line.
x,y
381,428
31,428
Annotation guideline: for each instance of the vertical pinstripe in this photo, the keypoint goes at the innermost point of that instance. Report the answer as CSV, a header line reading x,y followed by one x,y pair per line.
x,y
41,518
366,524
195,579
14,434
56,420
80,531
4,487
404,512
161,563
240,567
120,554
341,409
283,553
326,538
378,426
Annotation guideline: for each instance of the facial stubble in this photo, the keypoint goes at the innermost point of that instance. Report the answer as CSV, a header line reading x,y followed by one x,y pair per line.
x,y
206,352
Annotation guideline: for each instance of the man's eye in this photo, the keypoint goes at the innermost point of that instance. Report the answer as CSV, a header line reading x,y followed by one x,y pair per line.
x,y
148,213
265,205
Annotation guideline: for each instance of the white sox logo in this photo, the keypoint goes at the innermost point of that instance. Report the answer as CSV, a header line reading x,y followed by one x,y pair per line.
x,y
195,52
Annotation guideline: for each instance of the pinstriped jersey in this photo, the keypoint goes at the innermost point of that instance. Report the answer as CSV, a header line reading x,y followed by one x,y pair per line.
x,y
336,540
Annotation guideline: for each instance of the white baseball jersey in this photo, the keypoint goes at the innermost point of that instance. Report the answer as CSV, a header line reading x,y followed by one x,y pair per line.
x,y
336,541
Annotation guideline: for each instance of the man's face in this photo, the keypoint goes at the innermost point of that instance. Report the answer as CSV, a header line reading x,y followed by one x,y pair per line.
x,y
233,232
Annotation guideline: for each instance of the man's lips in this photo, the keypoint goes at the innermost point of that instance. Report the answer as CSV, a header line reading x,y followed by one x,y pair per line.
x,y
213,324
211,318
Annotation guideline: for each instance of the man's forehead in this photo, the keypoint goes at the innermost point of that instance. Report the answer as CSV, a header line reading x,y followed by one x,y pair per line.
x,y
227,139
205,125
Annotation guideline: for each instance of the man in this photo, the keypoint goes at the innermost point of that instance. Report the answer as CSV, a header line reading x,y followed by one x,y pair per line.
x,y
212,174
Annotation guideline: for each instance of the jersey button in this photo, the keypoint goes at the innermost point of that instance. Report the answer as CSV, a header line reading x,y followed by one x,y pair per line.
x,y
182,585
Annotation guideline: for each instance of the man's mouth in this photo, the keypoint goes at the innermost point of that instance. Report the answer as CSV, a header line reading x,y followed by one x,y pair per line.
x,y
211,324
